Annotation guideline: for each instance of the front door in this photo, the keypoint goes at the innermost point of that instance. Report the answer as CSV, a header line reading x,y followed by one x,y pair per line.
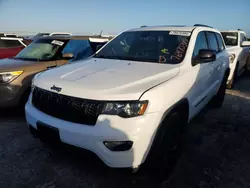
x,y
203,82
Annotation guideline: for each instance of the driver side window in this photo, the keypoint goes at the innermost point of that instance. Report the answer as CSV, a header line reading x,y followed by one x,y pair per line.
x,y
201,43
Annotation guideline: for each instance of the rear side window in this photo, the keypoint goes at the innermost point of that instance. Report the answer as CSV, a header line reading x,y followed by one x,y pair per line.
x,y
220,42
5,43
200,44
2,44
80,48
212,41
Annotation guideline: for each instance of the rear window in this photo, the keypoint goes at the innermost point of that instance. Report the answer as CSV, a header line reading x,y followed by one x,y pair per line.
x,y
230,38
167,47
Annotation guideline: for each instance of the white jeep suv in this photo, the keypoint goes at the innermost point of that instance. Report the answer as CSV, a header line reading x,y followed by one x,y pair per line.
x,y
133,99
239,53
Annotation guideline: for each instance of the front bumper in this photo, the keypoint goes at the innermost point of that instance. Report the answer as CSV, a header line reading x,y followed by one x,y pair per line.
x,y
9,95
140,130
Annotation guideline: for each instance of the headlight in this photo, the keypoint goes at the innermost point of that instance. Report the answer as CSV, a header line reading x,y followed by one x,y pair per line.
x,y
231,58
125,109
6,77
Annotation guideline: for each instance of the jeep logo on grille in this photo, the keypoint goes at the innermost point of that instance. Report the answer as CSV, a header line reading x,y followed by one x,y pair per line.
x,y
58,89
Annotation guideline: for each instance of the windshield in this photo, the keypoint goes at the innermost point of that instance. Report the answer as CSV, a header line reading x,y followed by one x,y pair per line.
x,y
167,47
42,50
230,38
52,49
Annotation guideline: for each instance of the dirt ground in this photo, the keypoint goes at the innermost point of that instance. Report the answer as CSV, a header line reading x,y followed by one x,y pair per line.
x,y
217,154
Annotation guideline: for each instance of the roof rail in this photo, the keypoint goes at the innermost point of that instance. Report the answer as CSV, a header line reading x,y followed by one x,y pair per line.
x,y
164,26
202,25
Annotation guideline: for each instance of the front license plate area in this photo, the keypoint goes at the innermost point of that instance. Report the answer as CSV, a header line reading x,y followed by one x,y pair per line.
x,y
48,133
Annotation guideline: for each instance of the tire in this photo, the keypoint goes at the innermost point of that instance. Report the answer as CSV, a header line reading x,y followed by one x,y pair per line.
x,y
167,146
218,99
231,83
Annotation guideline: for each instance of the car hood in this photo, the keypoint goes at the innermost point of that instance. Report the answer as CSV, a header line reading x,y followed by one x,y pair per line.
x,y
233,49
12,64
106,79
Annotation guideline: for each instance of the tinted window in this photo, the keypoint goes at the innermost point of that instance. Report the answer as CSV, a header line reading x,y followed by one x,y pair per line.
x,y
167,47
9,43
2,44
212,41
201,43
80,48
230,38
220,42
243,37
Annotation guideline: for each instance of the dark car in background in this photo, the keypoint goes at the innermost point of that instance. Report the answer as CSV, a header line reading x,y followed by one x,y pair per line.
x,y
16,73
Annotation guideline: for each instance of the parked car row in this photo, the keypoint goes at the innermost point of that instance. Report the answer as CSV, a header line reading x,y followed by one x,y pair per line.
x,y
10,46
239,50
130,100
44,53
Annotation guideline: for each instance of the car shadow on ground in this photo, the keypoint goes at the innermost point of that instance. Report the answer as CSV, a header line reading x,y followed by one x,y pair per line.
x,y
216,154
14,112
217,146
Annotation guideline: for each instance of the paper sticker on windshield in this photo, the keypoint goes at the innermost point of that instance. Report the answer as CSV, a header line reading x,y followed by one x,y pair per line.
x,y
231,37
59,43
180,33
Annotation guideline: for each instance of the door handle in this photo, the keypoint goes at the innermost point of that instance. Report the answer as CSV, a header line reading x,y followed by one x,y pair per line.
x,y
53,66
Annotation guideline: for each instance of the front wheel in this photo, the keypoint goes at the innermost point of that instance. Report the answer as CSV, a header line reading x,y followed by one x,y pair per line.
x,y
167,146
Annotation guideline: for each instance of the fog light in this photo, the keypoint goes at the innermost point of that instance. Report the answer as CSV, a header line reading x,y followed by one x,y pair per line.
x,y
118,145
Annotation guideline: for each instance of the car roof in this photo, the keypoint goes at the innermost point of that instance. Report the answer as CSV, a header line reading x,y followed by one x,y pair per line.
x,y
172,28
162,28
233,31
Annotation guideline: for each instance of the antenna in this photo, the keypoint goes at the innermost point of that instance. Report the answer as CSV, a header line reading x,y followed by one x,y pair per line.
x,y
101,33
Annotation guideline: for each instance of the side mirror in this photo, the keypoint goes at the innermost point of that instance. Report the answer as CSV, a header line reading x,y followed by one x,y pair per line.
x,y
68,56
245,44
205,56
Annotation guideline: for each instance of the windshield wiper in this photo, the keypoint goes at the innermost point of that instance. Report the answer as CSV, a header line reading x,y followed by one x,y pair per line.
x,y
110,57
27,59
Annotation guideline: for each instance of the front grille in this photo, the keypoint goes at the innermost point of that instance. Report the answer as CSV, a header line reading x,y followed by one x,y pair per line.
x,y
67,108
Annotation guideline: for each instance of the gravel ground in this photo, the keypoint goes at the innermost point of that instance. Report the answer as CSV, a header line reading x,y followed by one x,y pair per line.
x,y
217,154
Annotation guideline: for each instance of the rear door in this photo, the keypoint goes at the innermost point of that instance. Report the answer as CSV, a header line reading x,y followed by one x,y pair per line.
x,y
216,65
245,53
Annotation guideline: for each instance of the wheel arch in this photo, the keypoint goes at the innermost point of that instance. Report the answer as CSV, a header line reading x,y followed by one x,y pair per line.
x,y
182,106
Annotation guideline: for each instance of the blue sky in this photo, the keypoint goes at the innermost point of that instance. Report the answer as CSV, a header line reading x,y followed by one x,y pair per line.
x,y
92,16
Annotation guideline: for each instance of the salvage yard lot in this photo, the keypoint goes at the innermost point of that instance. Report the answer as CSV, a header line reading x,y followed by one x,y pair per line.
x,y
216,154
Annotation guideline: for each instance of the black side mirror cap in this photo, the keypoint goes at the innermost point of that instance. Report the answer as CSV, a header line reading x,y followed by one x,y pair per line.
x,y
205,56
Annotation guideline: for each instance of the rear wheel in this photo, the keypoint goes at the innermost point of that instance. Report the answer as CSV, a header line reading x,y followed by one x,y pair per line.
x,y
167,146
218,99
